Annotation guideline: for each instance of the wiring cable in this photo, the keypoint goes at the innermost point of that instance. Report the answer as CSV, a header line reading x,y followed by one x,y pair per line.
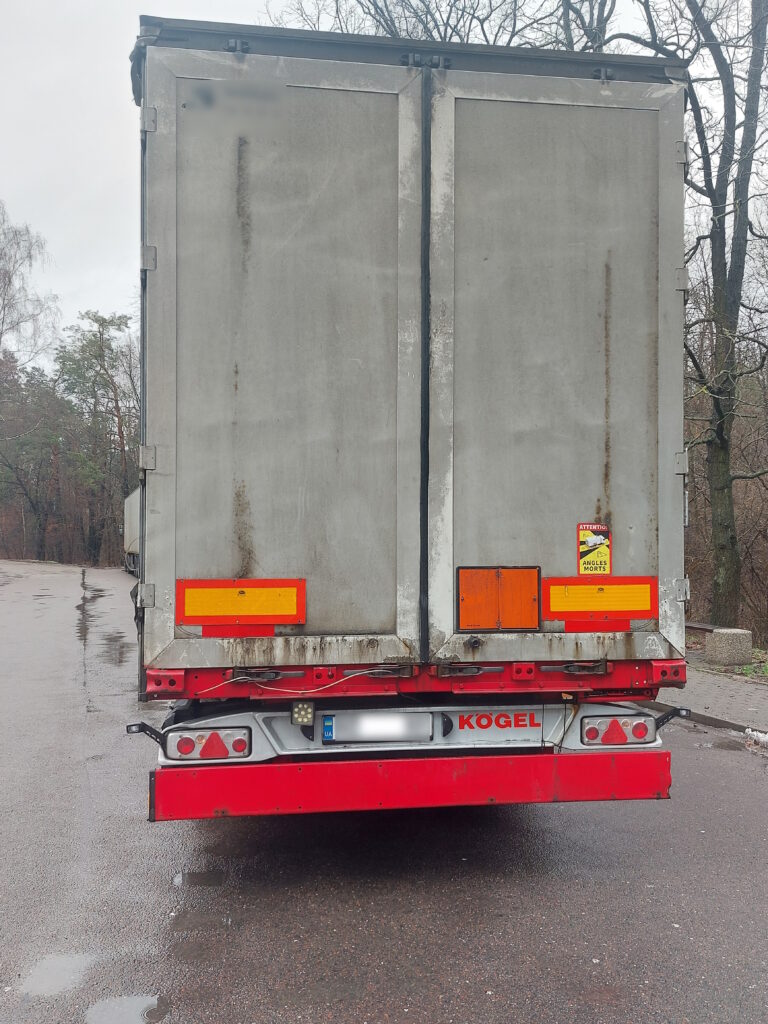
x,y
280,689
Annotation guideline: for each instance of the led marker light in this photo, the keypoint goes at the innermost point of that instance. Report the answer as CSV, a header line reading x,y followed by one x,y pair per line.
x,y
302,712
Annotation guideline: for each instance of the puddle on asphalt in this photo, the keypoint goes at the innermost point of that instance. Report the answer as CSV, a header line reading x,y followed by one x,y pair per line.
x,y
56,973
129,1010
90,594
115,648
214,876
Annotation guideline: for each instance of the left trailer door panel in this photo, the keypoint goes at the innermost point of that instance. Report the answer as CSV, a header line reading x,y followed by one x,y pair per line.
x,y
282,350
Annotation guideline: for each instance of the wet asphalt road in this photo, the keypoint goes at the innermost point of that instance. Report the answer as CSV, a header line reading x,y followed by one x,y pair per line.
x,y
575,913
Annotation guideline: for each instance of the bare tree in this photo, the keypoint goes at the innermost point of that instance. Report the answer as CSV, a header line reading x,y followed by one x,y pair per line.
x,y
724,43
494,22
27,319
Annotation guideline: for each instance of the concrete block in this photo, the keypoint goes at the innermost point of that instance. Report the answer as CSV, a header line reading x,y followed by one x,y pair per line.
x,y
729,647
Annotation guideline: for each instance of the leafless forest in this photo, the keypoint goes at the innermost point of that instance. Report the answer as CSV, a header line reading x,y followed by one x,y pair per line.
x,y
69,397
69,418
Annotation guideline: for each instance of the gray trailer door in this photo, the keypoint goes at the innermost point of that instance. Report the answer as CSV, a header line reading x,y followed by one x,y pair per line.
x,y
288,246
283,324
556,364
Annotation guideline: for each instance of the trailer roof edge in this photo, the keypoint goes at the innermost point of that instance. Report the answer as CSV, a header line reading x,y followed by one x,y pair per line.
x,y
216,36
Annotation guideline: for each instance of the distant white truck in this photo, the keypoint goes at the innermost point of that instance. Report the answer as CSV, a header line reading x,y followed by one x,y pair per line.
x,y
131,532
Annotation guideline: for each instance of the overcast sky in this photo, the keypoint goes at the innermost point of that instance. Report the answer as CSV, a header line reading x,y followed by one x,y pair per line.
x,y
69,149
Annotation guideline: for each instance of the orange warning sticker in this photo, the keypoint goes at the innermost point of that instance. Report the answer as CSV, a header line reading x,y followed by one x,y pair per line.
x,y
594,549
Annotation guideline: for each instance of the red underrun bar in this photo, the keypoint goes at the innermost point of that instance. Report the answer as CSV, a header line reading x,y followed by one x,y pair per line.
x,y
220,791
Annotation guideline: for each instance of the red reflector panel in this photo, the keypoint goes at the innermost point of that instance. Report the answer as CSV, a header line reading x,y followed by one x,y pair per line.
x,y
614,734
214,746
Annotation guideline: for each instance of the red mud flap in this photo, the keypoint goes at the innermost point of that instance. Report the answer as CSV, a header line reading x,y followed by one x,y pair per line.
x,y
218,791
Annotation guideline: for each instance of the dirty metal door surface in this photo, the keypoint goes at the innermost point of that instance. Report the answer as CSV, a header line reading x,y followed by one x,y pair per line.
x,y
282,349
556,345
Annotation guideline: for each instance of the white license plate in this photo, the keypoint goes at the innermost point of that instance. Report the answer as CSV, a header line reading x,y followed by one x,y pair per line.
x,y
378,727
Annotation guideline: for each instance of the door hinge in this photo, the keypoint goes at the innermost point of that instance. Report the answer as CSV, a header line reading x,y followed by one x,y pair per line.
x,y
682,283
683,151
237,46
148,119
147,456
682,589
681,469
148,257
603,74
425,60
145,597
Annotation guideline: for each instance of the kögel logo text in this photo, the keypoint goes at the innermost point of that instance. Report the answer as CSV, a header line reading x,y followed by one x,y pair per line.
x,y
502,720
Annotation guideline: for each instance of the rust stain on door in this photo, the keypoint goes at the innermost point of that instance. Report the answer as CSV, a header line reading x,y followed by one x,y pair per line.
x,y
242,521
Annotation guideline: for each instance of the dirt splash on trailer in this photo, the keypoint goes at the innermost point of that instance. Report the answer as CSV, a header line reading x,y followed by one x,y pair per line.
x,y
242,525
243,200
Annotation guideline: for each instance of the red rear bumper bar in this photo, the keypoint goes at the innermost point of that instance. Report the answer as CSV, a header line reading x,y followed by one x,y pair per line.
x,y
218,791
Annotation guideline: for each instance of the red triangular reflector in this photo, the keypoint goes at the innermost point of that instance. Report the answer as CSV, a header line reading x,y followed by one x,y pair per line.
x,y
613,734
214,746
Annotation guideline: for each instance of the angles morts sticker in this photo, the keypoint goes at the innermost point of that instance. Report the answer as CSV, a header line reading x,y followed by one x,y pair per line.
x,y
594,549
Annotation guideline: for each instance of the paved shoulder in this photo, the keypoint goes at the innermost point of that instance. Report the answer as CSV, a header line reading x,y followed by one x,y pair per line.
x,y
720,699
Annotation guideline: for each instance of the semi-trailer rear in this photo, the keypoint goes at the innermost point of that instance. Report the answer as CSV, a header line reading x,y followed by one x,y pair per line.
x,y
412,455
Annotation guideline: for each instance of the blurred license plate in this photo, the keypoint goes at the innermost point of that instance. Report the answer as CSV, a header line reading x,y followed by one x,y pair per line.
x,y
378,727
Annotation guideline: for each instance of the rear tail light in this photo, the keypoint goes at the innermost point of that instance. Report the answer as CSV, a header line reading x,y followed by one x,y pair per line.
x,y
615,730
207,744
185,745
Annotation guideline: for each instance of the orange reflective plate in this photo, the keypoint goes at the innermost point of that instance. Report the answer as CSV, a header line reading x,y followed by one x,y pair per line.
x,y
246,602
630,597
498,598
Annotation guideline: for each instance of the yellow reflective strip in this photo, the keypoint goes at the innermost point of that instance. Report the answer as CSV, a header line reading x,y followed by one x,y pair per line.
x,y
236,601
600,597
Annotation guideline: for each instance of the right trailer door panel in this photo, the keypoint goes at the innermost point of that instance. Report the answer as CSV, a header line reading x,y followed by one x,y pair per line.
x,y
556,362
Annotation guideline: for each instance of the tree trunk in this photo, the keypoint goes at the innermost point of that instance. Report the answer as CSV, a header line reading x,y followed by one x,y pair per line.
x,y
42,530
726,575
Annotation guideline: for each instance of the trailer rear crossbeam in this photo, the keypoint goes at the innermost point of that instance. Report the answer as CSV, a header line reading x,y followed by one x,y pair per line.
x,y
640,680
